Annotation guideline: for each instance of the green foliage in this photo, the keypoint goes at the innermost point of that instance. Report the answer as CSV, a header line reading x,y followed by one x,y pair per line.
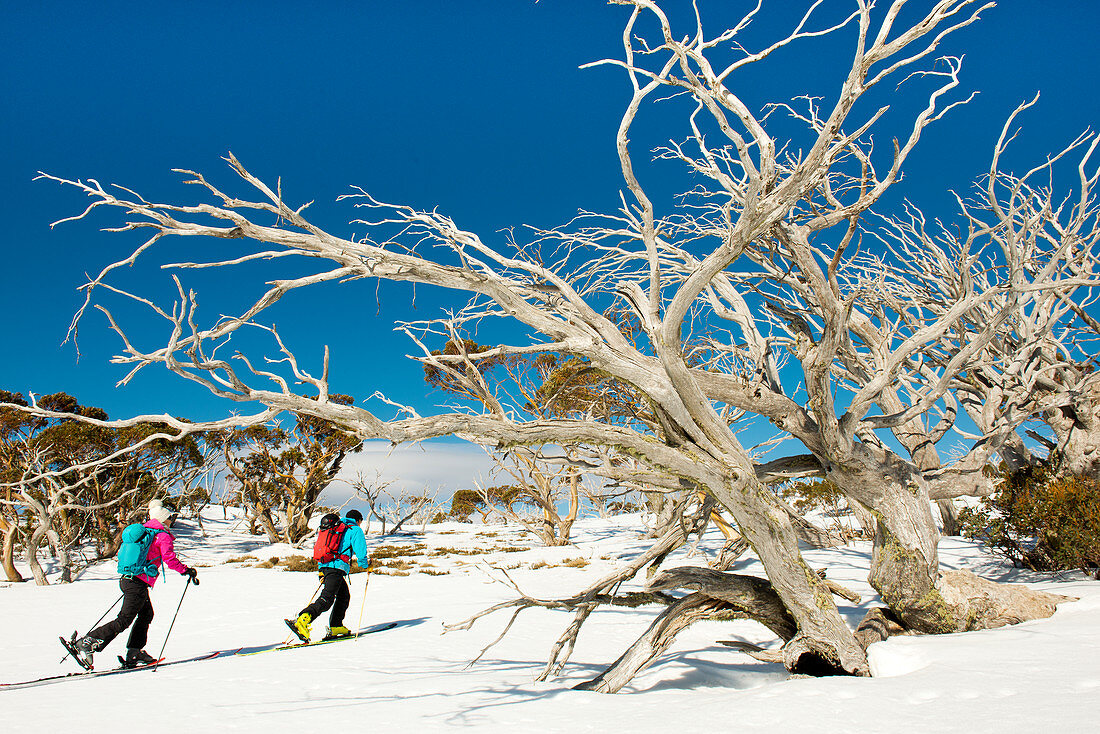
x,y
459,377
465,502
1040,519
55,478
573,387
820,494
280,472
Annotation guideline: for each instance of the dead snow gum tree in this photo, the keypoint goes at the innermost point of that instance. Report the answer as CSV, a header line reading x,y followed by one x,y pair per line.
x,y
735,286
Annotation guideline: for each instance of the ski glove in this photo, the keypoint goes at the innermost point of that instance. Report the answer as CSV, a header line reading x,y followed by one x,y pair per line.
x,y
193,575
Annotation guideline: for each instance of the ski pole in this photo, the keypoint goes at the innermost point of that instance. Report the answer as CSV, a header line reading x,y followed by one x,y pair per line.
x,y
364,602
160,655
96,623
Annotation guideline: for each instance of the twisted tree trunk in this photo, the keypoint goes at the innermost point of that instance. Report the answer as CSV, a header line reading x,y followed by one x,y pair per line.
x,y
768,529
905,561
31,555
8,556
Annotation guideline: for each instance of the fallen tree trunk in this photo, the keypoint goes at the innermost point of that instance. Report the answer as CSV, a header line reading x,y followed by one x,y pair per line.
x,y
718,595
660,635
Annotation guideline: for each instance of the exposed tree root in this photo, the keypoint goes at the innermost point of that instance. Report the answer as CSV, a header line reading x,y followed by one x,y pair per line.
x,y
879,624
980,604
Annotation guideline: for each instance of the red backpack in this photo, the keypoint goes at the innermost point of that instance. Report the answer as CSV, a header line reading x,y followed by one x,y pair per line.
x,y
330,536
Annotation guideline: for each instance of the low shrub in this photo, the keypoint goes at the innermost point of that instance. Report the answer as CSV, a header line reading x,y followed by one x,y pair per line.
x,y
1041,520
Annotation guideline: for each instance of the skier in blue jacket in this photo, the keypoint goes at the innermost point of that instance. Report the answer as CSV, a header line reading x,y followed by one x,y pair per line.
x,y
334,591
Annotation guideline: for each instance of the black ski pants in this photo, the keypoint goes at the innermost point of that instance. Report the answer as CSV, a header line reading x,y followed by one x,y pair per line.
x,y
335,594
136,609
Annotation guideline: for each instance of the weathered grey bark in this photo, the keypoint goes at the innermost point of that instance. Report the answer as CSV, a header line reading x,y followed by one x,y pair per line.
x,y
863,517
660,635
768,529
904,559
731,551
719,594
809,533
920,442
667,508
983,604
30,555
921,445
751,595
64,558
8,554
878,625
1077,429
949,517
905,567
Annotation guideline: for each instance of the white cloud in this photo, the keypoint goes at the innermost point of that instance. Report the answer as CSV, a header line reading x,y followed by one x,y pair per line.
x,y
434,467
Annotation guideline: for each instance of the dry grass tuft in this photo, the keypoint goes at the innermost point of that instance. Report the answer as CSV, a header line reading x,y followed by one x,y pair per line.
x,y
397,551
299,563
391,572
458,552
242,559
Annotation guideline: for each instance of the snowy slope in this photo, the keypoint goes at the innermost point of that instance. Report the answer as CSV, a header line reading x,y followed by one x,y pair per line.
x,y
413,679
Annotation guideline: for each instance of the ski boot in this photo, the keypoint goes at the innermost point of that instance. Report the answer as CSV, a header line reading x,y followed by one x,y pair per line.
x,y
83,649
300,626
336,633
136,658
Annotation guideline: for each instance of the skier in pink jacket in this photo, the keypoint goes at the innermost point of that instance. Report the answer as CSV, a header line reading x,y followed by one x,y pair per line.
x,y
136,607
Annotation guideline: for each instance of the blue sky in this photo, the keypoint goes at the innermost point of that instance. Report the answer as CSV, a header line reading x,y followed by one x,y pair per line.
x,y
477,107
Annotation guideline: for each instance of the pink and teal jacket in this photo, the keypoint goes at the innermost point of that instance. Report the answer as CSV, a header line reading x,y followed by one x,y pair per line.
x,y
163,550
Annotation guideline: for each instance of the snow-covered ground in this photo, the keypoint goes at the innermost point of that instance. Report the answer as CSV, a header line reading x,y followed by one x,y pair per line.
x,y
1041,675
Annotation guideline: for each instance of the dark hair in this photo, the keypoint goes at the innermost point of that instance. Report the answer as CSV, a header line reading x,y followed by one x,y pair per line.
x,y
354,515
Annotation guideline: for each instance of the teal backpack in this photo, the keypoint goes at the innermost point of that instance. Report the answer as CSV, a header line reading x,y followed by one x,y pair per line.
x,y
133,554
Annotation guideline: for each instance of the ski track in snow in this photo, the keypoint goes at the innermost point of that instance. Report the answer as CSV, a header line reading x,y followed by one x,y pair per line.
x,y
413,679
